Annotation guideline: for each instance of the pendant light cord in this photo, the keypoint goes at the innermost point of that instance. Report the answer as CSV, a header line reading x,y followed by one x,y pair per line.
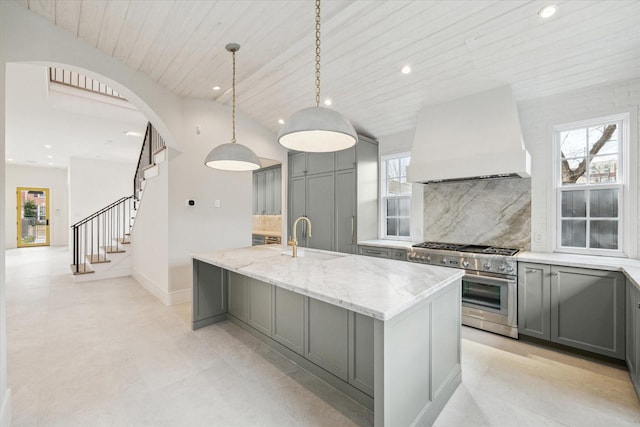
x,y
233,98
317,53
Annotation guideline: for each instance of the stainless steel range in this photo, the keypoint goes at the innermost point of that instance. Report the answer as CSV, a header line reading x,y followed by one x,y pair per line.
x,y
489,286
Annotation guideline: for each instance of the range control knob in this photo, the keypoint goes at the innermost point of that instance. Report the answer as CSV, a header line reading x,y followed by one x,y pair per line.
x,y
509,268
428,258
502,267
465,264
486,266
443,260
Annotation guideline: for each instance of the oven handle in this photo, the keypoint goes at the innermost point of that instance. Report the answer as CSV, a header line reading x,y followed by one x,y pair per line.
x,y
488,280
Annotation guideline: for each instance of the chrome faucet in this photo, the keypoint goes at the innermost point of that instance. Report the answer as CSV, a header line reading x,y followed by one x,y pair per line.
x,y
293,242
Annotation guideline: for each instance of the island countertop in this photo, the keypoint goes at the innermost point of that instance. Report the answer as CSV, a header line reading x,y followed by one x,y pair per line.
x,y
380,288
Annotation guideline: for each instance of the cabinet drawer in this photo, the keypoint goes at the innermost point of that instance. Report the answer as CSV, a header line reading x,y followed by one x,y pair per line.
x,y
375,252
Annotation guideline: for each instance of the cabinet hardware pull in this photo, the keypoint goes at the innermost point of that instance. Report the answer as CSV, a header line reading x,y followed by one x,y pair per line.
x,y
530,270
554,273
353,219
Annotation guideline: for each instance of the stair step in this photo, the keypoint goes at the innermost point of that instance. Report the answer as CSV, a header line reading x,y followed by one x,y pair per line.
x,y
113,249
81,269
124,241
97,258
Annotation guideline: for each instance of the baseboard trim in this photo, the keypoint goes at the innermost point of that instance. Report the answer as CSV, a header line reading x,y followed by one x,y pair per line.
x,y
167,298
5,411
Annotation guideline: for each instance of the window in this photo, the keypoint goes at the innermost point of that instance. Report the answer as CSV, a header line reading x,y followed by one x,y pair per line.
x,y
396,197
590,186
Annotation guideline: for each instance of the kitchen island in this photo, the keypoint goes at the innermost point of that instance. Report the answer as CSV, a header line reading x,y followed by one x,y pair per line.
x,y
386,333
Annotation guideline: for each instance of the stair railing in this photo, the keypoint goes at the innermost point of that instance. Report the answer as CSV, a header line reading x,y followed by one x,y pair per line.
x,y
107,228
152,144
101,232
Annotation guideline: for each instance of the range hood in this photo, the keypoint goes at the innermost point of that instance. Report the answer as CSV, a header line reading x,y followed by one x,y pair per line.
x,y
476,137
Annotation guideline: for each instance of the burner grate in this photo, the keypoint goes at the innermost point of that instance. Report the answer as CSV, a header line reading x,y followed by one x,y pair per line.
x,y
478,249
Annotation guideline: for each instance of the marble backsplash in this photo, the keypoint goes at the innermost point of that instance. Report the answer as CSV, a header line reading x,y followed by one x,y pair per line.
x,y
267,223
483,212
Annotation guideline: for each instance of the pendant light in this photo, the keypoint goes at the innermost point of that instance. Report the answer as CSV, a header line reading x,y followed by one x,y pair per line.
x,y
317,129
233,156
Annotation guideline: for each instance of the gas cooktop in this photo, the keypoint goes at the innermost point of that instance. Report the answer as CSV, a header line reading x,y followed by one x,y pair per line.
x,y
476,249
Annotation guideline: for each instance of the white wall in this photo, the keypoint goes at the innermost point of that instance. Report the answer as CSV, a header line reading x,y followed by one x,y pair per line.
x,y
5,393
538,117
204,227
28,176
149,236
94,184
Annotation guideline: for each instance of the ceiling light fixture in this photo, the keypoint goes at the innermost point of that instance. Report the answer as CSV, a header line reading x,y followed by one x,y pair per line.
x,y
406,69
49,157
216,88
317,129
47,146
281,121
232,156
548,11
132,133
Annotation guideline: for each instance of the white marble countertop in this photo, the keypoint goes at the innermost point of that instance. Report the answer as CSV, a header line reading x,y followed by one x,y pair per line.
x,y
630,267
376,287
394,244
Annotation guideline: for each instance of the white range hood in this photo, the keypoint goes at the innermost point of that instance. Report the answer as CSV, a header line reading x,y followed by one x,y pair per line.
x,y
476,137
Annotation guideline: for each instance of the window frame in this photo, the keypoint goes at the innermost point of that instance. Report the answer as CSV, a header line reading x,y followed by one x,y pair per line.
x,y
622,185
383,197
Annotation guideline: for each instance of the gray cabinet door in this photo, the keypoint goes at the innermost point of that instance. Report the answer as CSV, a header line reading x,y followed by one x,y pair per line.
x,y
297,164
259,305
320,210
636,340
346,212
361,355
209,292
320,163
269,175
255,193
297,207
587,310
328,337
277,191
237,290
534,298
288,319
346,159
631,325
262,199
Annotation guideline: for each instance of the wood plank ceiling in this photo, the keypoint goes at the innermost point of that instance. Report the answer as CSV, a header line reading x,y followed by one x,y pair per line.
x,y
454,48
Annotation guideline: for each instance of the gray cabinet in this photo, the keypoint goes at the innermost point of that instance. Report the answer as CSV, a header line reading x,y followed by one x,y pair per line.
x,y
321,211
345,227
259,305
237,290
383,252
328,337
583,308
534,300
209,292
361,355
267,191
288,319
339,195
633,334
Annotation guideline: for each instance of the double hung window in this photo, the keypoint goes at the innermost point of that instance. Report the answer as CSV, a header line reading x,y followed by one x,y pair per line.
x,y
396,197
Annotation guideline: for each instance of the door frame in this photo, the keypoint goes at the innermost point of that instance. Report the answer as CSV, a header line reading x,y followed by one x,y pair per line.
x,y
19,191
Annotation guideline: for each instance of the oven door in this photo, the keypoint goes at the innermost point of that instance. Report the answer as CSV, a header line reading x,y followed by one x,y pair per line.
x,y
486,293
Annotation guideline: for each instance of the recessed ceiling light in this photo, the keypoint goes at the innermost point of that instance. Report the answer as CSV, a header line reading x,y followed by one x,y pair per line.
x,y
216,88
548,11
49,157
406,69
47,146
327,101
50,164
10,160
132,133
281,121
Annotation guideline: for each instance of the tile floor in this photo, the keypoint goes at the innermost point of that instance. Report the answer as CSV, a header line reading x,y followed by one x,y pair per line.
x,y
108,353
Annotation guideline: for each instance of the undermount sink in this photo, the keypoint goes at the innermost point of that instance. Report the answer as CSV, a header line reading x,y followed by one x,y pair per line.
x,y
316,255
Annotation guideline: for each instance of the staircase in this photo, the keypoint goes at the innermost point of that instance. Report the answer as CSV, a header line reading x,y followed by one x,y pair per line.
x,y
100,241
